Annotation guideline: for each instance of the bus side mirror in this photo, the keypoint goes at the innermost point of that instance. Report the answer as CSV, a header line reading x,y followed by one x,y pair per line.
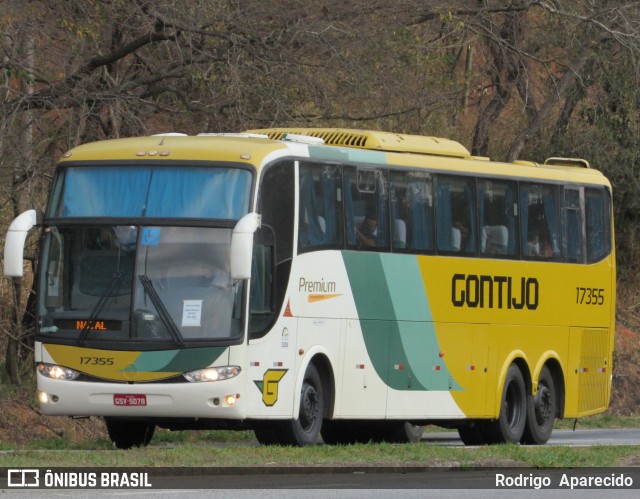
x,y
14,244
242,245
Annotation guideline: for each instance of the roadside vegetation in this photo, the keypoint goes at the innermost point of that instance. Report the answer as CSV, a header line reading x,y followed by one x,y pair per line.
x,y
527,80
229,448
242,450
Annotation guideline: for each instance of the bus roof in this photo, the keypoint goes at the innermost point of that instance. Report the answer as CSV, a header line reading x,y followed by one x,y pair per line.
x,y
258,147
235,148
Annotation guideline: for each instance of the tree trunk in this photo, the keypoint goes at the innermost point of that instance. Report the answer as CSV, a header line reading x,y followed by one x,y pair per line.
x,y
534,127
20,200
505,77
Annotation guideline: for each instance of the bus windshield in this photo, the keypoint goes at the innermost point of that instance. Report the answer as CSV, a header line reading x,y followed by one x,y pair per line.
x,y
151,191
125,282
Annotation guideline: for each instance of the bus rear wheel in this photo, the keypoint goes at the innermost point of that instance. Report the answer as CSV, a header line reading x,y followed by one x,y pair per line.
x,y
400,432
541,411
345,432
126,434
509,427
474,433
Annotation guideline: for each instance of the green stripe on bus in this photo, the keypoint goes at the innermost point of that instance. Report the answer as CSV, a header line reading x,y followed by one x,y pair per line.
x,y
396,323
176,360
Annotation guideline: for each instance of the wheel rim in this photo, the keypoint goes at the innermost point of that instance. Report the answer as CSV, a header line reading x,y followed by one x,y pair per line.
x,y
543,405
308,407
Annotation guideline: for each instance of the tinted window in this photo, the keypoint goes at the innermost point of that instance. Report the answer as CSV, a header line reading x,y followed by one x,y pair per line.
x,y
539,221
456,214
497,215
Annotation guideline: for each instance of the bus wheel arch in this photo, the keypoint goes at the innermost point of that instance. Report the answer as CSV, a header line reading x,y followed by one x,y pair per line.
x,y
323,365
559,382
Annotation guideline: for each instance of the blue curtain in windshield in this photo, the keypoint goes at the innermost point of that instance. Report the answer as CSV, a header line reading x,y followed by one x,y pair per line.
x,y
104,192
155,192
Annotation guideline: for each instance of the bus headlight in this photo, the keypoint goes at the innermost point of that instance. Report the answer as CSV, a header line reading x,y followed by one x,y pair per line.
x,y
212,374
57,372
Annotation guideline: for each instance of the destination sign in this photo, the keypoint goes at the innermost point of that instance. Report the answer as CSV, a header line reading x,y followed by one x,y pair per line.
x,y
82,324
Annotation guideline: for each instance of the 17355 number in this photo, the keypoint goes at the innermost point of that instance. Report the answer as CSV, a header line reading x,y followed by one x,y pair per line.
x,y
589,296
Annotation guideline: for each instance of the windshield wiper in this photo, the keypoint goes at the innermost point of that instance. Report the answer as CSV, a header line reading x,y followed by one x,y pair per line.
x,y
165,316
97,308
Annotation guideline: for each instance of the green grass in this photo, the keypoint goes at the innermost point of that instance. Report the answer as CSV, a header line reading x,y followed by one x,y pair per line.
x,y
248,454
228,448
601,421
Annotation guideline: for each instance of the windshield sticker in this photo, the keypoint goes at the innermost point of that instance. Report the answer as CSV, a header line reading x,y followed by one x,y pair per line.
x,y
150,236
191,313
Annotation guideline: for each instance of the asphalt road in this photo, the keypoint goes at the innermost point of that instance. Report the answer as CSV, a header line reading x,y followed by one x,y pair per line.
x,y
626,436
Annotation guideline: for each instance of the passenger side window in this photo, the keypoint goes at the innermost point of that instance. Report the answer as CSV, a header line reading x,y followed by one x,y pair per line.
x,y
320,223
366,209
455,215
539,221
597,208
497,214
411,211
574,232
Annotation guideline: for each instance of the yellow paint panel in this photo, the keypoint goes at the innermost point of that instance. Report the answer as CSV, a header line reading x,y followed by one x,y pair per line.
x,y
105,364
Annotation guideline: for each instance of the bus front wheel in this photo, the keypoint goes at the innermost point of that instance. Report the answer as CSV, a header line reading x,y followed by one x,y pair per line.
x,y
126,434
541,411
509,427
306,429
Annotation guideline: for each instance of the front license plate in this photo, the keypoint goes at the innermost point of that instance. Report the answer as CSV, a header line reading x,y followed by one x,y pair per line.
x,y
128,399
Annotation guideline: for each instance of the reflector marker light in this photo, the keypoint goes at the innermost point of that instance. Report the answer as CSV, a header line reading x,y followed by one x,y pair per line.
x,y
359,366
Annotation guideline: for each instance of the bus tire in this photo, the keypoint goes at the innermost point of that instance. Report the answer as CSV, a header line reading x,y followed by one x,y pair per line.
x,y
127,434
541,411
401,432
473,434
267,434
341,432
306,429
509,427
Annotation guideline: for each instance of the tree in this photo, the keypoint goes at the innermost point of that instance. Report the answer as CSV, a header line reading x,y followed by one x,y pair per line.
x,y
537,78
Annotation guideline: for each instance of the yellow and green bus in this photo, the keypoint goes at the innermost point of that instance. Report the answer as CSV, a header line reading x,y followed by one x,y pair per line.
x,y
348,285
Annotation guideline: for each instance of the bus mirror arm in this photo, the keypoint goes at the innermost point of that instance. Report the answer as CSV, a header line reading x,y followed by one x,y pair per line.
x,y
14,243
242,245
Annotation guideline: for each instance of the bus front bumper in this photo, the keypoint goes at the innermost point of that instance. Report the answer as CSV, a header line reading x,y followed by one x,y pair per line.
x,y
220,399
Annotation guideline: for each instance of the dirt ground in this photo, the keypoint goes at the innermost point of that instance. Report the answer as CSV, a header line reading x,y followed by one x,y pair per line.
x,y
21,421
